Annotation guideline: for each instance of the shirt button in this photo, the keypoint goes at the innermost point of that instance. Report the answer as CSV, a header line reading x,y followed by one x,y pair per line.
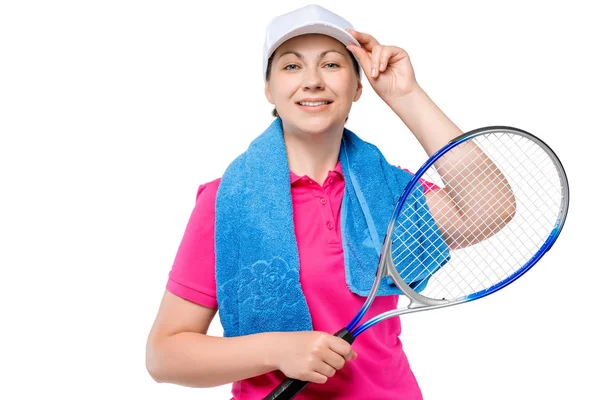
x,y
330,180
323,201
330,225
310,182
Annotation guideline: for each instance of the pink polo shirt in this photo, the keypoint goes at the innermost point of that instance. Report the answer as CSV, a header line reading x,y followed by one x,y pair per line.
x,y
322,278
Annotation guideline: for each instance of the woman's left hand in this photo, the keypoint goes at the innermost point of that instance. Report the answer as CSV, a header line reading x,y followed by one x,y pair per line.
x,y
388,68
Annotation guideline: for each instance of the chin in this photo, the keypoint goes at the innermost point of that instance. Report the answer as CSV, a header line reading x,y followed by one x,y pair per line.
x,y
317,124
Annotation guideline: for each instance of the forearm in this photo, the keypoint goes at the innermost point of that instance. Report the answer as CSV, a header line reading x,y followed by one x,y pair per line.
x,y
432,128
482,198
197,360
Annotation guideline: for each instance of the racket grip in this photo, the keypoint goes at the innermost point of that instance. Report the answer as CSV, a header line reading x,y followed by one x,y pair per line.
x,y
289,388
344,334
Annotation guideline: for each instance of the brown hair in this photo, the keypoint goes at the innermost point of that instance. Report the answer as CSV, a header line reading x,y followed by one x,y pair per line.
x,y
268,75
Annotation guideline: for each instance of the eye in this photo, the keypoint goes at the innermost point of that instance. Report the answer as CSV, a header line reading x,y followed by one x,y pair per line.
x,y
291,65
334,64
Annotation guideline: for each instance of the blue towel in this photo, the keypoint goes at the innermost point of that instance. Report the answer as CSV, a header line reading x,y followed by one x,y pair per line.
x,y
257,264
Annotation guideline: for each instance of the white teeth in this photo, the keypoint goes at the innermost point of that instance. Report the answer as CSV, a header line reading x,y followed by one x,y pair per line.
x,y
313,103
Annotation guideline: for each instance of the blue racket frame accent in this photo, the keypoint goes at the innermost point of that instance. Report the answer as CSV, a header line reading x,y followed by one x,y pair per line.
x,y
415,179
545,247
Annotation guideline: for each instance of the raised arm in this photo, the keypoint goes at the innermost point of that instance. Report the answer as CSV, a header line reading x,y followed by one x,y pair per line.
x,y
476,201
457,208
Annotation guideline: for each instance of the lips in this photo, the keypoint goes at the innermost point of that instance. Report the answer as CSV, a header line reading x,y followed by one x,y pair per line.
x,y
314,108
313,103
314,100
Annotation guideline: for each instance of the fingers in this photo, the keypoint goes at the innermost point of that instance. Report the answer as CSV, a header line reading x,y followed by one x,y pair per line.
x,y
366,41
338,361
382,56
375,60
363,58
326,370
340,346
331,355
343,350
373,57
364,52
386,54
315,377
319,374
335,360
351,356
330,362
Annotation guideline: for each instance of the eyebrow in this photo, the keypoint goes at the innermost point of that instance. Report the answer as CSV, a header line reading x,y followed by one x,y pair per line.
x,y
300,56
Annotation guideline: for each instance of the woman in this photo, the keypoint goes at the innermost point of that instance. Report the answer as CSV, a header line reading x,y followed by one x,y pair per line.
x,y
312,77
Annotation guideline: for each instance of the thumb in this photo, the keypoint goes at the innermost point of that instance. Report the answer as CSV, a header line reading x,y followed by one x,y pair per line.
x,y
363,58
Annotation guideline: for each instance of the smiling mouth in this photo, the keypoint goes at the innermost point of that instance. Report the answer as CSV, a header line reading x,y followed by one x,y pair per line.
x,y
313,103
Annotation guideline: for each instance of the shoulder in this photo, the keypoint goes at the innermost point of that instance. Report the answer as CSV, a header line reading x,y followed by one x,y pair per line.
x,y
207,192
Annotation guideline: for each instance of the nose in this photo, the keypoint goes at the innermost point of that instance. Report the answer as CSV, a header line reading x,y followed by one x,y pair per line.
x,y
312,78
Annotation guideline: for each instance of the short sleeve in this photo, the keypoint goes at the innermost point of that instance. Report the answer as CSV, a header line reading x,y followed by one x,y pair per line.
x,y
427,186
192,275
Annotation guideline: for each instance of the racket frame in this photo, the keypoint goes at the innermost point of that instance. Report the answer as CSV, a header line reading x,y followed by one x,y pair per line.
x,y
418,302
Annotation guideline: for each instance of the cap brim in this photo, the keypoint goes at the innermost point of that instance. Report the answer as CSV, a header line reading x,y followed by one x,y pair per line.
x,y
320,27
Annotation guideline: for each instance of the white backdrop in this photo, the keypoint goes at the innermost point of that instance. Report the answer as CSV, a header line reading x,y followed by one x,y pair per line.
x,y
113,113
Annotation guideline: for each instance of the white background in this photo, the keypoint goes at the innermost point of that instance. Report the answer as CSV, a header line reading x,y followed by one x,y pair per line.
x,y
113,113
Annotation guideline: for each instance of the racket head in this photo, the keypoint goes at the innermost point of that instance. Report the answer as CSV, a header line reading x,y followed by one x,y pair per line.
x,y
539,185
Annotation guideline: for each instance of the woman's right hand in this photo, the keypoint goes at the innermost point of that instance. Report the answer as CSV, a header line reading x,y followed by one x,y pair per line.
x,y
311,356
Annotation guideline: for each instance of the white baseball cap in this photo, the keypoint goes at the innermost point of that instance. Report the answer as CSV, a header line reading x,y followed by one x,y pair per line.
x,y
308,19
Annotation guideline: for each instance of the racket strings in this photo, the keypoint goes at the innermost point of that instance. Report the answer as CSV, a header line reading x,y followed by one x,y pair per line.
x,y
531,186
454,213
530,179
480,281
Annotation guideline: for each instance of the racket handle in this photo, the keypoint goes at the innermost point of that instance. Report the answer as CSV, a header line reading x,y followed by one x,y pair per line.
x,y
289,388
344,334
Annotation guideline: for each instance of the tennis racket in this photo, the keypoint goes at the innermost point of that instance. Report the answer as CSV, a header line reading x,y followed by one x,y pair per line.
x,y
501,202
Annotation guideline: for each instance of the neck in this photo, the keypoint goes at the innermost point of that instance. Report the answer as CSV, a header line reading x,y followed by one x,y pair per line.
x,y
313,154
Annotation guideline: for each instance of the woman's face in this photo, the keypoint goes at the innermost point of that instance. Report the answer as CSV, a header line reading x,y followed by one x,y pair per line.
x,y
311,67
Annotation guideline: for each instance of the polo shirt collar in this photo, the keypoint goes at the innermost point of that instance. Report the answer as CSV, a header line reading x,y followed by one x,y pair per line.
x,y
337,172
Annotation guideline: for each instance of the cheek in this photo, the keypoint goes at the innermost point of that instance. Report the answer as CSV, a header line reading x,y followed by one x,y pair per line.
x,y
344,89
283,91
346,95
